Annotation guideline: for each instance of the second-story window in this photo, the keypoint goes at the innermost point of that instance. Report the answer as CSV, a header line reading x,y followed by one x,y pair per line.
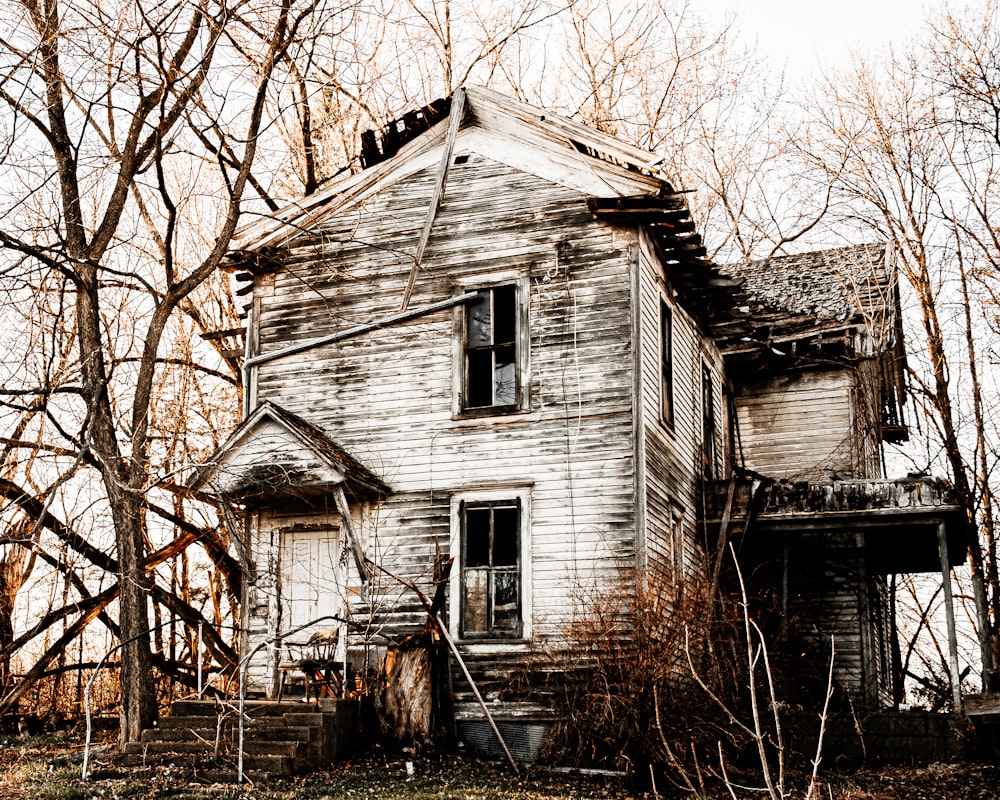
x,y
491,363
708,425
666,364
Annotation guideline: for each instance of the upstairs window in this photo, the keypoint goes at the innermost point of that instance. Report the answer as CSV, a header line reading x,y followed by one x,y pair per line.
x,y
708,424
491,569
666,364
492,374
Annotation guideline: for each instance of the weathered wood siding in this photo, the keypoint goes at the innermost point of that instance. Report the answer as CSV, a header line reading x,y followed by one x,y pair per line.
x,y
869,415
831,594
387,396
672,454
800,425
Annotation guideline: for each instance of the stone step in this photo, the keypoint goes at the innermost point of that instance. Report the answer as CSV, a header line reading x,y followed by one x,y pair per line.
x,y
269,747
199,722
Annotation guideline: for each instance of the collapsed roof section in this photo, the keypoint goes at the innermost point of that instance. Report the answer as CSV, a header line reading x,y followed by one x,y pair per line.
x,y
819,308
806,297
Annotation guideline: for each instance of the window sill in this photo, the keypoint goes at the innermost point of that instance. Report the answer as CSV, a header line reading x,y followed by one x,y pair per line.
x,y
490,412
485,646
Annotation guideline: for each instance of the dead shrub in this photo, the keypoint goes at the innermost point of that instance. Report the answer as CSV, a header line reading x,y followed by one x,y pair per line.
x,y
657,683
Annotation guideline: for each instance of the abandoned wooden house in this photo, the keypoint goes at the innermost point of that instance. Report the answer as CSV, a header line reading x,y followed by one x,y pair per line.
x,y
502,342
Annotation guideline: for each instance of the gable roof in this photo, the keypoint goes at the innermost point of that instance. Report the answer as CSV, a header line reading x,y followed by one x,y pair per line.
x,y
623,184
509,131
275,452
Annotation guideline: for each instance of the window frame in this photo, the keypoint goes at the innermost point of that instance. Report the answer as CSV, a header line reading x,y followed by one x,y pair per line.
x,y
666,358
496,497
520,343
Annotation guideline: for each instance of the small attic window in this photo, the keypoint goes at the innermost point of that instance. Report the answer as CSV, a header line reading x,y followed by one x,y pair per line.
x,y
461,159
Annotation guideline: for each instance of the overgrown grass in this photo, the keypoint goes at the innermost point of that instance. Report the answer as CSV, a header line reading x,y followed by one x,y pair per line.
x,y
375,776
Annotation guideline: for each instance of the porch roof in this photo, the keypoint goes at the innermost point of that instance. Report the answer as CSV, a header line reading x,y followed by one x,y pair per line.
x,y
276,454
900,519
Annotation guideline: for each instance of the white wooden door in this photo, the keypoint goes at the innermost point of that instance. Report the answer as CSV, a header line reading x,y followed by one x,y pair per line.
x,y
311,585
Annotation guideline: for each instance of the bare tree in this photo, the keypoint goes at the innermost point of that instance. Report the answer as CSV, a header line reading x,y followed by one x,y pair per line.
x,y
116,115
909,147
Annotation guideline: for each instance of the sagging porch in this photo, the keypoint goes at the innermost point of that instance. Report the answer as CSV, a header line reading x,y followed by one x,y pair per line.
x,y
826,553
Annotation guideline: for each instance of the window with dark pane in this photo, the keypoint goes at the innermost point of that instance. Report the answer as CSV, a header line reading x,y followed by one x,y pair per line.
x,y
708,426
666,363
491,575
491,348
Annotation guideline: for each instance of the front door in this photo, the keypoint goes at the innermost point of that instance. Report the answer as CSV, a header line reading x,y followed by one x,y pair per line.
x,y
311,578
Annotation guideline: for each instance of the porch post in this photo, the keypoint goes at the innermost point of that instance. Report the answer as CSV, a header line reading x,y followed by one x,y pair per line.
x,y
949,606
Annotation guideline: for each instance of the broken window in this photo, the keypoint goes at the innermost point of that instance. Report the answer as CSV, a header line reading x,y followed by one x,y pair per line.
x,y
666,364
491,378
491,568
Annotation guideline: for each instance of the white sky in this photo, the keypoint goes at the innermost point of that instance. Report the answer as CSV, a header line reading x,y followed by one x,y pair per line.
x,y
806,36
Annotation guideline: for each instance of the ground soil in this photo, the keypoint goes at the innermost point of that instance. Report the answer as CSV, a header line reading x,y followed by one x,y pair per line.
x,y
43,768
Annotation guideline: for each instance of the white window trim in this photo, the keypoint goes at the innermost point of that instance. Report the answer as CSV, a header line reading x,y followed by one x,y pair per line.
x,y
523,495
523,346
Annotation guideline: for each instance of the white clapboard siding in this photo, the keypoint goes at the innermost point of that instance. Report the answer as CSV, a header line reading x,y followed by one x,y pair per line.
x,y
386,396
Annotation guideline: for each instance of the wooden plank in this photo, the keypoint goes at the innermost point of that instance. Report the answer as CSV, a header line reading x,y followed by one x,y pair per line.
x,y
457,110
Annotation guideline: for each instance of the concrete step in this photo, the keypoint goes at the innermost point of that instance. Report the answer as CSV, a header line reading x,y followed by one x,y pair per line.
x,y
279,738
271,764
252,708
179,734
270,747
185,747
282,733
199,722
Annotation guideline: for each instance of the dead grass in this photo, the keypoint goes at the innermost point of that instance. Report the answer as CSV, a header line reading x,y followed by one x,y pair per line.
x,y
25,774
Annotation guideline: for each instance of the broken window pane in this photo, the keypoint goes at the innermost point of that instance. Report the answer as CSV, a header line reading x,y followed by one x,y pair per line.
x,y
666,363
479,376
505,536
477,537
480,329
505,596
476,594
491,377
491,593
505,315
505,391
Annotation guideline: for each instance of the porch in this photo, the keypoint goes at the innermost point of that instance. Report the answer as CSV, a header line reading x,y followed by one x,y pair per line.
x,y
827,551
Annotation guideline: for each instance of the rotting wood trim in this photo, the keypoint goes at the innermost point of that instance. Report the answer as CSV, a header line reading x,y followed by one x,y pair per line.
x,y
213,335
455,120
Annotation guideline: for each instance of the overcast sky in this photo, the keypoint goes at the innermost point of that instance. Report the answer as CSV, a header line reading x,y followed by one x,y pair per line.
x,y
805,36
